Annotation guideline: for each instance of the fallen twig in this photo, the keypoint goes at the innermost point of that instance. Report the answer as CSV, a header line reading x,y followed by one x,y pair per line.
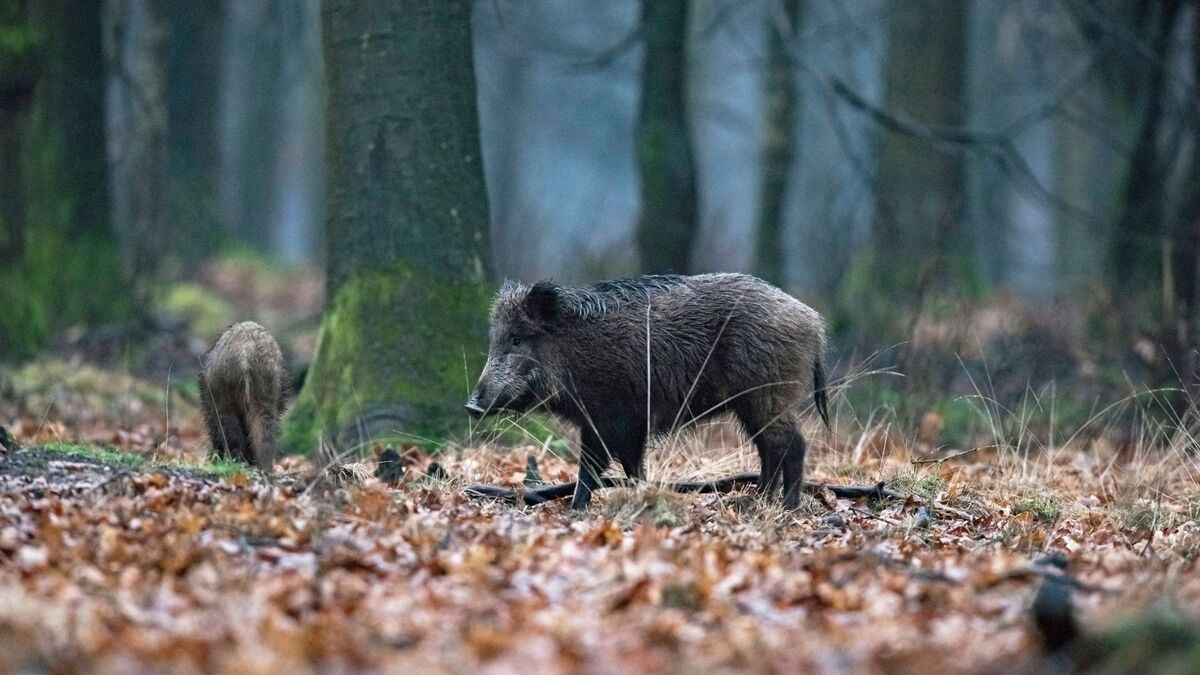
x,y
868,514
939,460
545,493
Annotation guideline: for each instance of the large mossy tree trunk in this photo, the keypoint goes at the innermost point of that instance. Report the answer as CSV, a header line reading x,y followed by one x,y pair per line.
x,y
664,144
406,228
62,266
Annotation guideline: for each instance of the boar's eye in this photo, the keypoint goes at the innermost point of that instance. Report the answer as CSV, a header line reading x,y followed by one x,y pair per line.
x,y
516,342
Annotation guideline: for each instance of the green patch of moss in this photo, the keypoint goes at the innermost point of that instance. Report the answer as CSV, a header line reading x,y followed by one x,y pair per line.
x,y
119,459
667,512
101,454
1144,516
1042,509
1158,641
204,311
686,596
926,487
41,295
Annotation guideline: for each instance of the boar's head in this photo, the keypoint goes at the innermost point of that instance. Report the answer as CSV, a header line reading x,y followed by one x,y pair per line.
x,y
520,371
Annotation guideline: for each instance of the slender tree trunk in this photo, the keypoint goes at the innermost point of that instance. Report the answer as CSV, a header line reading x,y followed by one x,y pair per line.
x,y
778,140
727,46
1137,245
252,84
1181,321
562,210
921,186
18,76
406,227
194,48
55,141
828,202
664,145
136,117
299,162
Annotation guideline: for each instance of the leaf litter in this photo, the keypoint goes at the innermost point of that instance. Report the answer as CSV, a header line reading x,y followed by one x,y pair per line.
x,y
113,566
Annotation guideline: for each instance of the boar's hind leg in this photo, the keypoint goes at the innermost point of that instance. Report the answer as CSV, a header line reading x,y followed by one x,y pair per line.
x,y
263,428
227,435
781,448
770,451
793,467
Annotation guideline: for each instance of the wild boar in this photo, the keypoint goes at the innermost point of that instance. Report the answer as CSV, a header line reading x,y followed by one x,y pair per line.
x,y
243,388
630,359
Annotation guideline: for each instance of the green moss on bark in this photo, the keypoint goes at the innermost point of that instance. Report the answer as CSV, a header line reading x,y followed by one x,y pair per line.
x,y
392,347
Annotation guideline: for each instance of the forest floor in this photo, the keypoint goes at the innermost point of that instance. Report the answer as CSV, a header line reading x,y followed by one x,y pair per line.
x,y
122,548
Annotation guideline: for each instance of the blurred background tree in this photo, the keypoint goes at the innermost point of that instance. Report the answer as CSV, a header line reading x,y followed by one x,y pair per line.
x,y
60,256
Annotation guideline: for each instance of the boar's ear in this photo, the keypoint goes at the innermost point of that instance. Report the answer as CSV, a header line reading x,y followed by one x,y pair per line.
x,y
541,304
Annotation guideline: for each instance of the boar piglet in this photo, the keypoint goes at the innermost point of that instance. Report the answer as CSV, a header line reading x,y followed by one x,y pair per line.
x,y
243,390
646,356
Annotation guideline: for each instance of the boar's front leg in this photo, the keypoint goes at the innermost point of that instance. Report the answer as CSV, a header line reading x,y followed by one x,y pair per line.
x,y
593,460
624,439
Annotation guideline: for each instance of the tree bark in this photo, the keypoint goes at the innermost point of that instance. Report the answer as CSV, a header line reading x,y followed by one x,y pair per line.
x,y
194,49
55,141
18,76
664,145
779,145
727,48
406,227
558,89
136,118
920,186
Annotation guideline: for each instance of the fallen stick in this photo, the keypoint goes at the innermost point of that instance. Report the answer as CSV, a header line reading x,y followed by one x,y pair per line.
x,y
546,493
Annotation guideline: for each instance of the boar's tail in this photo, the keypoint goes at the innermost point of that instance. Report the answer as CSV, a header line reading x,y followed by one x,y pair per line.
x,y
820,394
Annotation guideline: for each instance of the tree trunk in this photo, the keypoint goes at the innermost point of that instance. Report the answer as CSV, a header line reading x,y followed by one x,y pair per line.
x,y
299,163
61,181
921,185
406,227
828,201
195,45
779,148
18,76
664,145
136,117
726,50
558,88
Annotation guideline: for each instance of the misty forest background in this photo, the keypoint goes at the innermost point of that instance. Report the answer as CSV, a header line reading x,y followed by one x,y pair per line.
x,y
987,197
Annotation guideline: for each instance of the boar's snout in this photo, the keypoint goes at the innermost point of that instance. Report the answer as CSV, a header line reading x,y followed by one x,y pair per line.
x,y
477,405
474,409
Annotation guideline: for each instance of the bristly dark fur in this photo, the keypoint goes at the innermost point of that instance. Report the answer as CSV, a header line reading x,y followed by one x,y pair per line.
x,y
716,343
243,393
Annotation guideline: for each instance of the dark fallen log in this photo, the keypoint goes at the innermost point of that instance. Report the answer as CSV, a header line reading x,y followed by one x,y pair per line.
x,y
546,493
